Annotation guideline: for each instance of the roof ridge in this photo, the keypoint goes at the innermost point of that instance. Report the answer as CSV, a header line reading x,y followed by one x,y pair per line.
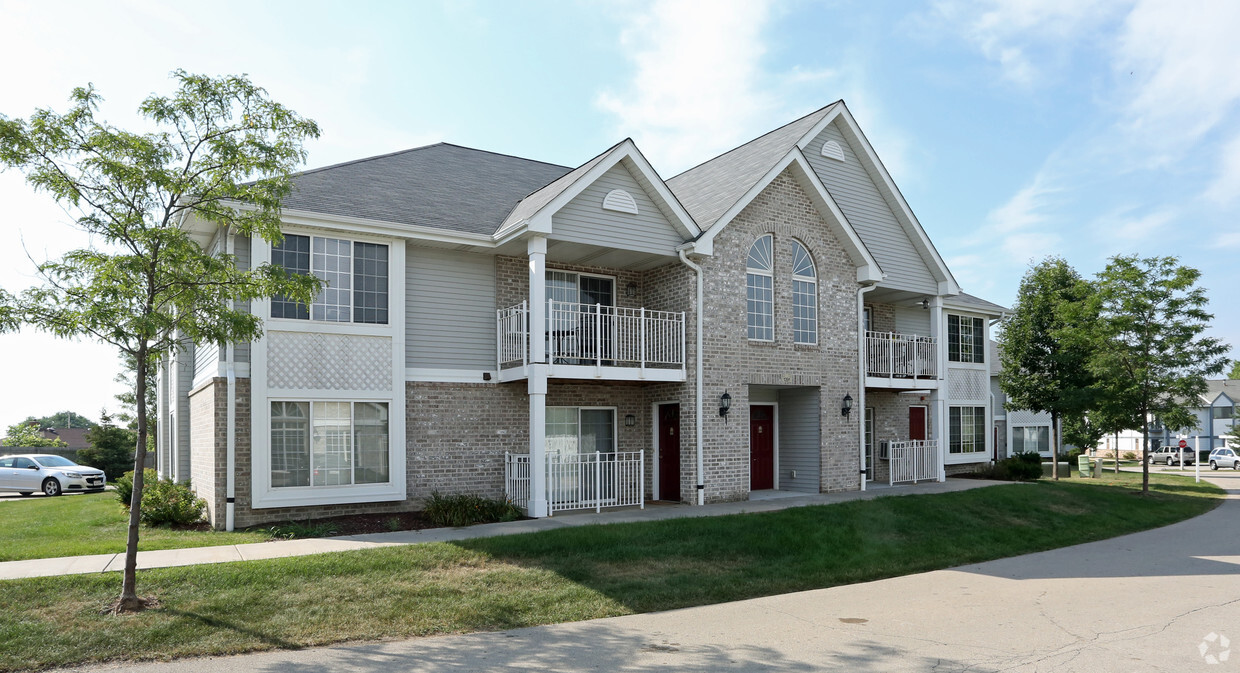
x,y
519,201
419,148
754,140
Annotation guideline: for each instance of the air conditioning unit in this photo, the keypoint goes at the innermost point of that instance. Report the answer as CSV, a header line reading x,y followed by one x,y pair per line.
x,y
883,450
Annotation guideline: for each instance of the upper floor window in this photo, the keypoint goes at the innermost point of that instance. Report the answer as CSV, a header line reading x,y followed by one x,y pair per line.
x,y
966,339
804,296
759,286
354,275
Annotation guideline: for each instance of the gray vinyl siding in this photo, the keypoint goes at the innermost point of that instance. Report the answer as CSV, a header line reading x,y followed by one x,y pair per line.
x,y
583,219
184,383
912,320
241,249
871,215
449,309
206,360
800,442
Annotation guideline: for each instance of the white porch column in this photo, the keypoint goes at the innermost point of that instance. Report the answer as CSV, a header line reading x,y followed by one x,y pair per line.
x,y
938,396
537,249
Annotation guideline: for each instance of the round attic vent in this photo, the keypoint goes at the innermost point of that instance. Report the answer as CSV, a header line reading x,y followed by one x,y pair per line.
x,y
620,201
832,150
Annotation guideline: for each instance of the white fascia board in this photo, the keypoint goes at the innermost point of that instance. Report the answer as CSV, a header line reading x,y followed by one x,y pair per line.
x,y
627,149
868,270
904,212
361,225
974,309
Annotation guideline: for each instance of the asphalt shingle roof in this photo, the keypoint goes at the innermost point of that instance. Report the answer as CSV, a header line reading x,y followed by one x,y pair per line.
x,y
444,186
709,189
534,202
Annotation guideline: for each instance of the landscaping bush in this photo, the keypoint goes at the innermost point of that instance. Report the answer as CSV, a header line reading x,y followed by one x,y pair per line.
x,y
467,510
1129,455
1020,467
1074,454
163,500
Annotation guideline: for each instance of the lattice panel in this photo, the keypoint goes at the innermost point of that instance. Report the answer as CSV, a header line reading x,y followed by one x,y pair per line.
x,y
967,384
308,360
1026,417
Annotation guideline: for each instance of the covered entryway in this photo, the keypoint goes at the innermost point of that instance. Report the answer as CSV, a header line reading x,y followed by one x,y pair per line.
x,y
761,447
669,452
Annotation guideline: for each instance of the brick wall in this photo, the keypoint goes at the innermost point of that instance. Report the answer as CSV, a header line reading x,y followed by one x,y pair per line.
x,y
207,429
891,421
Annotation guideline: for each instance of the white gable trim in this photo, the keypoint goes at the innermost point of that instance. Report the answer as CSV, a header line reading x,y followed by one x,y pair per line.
x,y
1223,396
904,214
662,196
868,270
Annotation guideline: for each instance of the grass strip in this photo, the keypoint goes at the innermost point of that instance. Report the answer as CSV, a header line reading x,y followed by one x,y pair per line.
x,y
568,574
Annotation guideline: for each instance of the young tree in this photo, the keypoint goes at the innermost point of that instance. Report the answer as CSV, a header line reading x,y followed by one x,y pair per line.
x,y
1149,351
63,419
111,448
27,435
1040,369
1235,370
145,283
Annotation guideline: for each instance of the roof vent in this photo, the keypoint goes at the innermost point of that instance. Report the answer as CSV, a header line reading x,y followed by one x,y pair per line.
x,y
832,150
620,201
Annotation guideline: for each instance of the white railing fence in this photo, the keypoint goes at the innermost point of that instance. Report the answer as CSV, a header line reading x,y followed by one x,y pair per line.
x,y
580,480
593,334
913,460
894,355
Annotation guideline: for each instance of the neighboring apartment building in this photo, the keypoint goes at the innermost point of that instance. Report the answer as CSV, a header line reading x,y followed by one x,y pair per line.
x,y
774,318
1215,411
1016,430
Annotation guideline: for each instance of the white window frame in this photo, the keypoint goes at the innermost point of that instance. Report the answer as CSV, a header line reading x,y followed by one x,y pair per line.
x,y
310,440
977,357
812,282
615,419
769,275
986,430
353,240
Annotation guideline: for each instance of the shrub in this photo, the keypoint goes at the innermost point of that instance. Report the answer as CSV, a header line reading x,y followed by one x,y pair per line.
x,y
1129,455
1020,467
467,510
163,500
1074,454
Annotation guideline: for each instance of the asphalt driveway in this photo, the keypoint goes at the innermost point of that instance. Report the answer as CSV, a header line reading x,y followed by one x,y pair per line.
x,y
1161,600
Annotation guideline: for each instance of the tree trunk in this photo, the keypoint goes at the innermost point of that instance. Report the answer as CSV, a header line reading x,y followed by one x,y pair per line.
x,y
129,600
1055,446
1145,452
1117,454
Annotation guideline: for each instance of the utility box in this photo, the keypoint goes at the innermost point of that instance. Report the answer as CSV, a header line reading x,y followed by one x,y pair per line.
x,y
1085,466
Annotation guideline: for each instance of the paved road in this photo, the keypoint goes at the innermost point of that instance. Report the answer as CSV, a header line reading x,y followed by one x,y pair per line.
x,y
1142,602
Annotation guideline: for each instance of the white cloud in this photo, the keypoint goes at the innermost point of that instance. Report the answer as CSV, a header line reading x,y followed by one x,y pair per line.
x,y
1225,188
1026,208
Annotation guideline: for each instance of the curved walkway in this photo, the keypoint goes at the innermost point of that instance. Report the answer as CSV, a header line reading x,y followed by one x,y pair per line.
x,y
1161,600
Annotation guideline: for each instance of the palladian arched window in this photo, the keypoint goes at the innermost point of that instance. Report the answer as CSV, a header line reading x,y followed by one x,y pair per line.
x,y
759,285
804,296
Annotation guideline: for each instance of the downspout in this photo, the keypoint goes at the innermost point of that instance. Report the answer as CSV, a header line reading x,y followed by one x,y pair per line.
x,y
865,469
700,486
230,440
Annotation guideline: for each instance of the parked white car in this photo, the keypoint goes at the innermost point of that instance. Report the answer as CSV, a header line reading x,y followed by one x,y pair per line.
x,y
52,475
1224,457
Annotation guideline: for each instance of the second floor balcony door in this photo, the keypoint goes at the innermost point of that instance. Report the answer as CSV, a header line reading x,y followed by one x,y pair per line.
x,y
580,321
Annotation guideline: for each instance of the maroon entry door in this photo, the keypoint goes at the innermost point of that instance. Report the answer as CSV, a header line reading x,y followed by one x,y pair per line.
x,y
916,422
761,447
669,452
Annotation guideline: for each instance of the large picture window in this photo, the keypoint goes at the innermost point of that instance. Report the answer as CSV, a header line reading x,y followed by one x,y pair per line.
x,y
328,443
354,275
1035,438
966,429
966,339
760,291
804,296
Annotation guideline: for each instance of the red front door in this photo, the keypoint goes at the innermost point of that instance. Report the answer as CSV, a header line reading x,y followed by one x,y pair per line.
x,y
916,422
669,452
761,447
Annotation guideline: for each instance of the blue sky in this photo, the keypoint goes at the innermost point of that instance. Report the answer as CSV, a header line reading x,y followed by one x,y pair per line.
x,y
1014,129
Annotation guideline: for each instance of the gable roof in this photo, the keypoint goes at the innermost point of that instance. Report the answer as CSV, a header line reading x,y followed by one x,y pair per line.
x,y
969,302
709,189
1216,387
443,186
535,201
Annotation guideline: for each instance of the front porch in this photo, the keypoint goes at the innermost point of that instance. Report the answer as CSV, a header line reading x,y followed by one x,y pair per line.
x,y
580,481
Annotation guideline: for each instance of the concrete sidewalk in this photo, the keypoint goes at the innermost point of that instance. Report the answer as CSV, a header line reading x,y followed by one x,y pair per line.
x,y
761,501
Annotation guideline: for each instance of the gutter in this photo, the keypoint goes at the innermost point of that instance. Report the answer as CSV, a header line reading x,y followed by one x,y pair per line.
x,y
697,392
231,421
861,381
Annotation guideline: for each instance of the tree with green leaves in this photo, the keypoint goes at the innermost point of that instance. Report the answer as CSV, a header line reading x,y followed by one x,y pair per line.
x,y
221,155
111,448
1150,355
63,419
1235,370
1088,429
129,405
1040,370
28,435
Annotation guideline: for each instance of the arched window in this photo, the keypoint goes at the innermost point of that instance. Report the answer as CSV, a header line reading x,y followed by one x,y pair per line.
x,y
804,296
759,285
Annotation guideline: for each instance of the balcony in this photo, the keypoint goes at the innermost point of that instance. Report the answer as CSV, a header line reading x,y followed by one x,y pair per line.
x,y
592,341
894,360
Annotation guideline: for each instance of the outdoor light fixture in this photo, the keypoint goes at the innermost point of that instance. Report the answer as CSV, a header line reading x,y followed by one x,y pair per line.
x,y
925,303
630,420
847,408
725,403
630,290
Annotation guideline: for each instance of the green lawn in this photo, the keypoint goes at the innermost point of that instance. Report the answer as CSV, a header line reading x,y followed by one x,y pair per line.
x,y
89,523
566,575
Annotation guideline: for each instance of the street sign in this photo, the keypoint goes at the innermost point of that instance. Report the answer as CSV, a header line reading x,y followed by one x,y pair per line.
x,y
1183,444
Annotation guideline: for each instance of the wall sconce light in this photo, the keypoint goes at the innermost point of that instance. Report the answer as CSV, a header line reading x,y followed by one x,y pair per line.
x,y
630,290
630,420
725,403
847,408
925,303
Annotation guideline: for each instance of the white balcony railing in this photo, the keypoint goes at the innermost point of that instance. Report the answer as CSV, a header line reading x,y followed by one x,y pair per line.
x,y
580,480
913,460
593,334
901,356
